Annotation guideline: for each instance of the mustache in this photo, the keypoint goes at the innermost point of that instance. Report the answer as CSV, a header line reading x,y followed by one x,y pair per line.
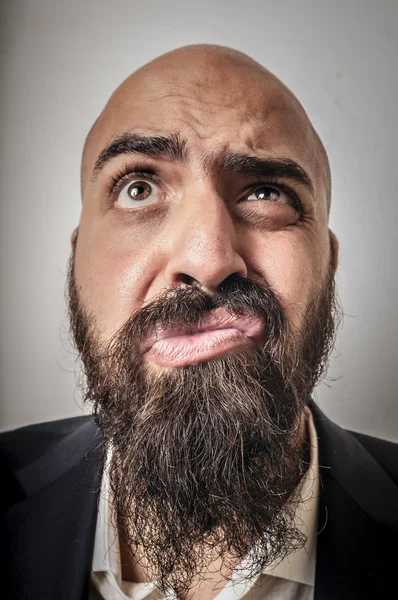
x,y
186,307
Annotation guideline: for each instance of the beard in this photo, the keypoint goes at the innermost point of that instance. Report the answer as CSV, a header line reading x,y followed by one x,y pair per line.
x,y
206,458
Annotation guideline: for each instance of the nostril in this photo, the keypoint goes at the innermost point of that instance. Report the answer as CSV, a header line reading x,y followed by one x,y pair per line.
x,y
186,279
229,282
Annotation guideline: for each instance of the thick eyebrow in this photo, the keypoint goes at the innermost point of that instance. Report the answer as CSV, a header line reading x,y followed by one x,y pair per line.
x,y
286,168
173,148
169,146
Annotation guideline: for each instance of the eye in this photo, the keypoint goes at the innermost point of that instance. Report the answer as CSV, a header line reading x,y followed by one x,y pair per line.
x,y
269,193
138,193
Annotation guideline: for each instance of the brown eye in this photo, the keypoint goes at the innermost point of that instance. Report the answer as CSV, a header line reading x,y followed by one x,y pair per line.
x,y
269,193
139,190
138,194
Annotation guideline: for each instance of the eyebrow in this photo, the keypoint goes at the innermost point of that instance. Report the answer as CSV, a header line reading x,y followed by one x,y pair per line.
x,y
173,148
281,167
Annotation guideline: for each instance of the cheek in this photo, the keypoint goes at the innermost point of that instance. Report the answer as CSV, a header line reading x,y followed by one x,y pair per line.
x,y
113,272
288,264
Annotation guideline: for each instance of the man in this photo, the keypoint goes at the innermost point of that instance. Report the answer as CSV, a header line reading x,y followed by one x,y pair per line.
x,y
202,303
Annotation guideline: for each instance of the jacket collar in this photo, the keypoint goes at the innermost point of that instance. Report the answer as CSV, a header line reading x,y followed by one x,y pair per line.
x,y
50,534
357,518
351,465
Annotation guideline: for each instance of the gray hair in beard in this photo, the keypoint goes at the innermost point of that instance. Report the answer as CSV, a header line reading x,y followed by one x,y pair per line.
x,y
205,456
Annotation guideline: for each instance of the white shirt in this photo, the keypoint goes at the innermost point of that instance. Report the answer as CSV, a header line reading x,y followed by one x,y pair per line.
x,y
291,579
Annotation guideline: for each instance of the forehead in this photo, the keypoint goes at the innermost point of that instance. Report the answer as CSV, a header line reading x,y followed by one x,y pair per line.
x,y
219,111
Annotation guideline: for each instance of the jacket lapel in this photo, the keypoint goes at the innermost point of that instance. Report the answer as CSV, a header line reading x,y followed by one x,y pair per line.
x,y
357,519
50,535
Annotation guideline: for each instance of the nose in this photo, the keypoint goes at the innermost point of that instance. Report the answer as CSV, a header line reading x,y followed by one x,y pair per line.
x,y
204,248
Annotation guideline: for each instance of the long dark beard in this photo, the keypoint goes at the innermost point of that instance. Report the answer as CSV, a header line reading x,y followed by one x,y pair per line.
x,y
206,456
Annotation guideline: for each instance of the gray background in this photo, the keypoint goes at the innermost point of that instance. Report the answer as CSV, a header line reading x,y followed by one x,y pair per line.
x,y
61,61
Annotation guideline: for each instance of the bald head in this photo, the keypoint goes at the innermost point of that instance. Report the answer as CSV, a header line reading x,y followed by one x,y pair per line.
x,y
216,78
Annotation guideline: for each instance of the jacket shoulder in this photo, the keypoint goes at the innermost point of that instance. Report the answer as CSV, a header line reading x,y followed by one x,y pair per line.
x,y
34,456
25,445
383,451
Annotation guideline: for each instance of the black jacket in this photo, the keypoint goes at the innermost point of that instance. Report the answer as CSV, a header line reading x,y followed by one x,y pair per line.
x,y
52,475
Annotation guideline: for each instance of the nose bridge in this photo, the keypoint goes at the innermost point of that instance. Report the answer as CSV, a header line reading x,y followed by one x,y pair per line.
x,y
203,242
206,225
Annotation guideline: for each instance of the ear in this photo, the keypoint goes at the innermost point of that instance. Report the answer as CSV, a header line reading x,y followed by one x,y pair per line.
x,y
334,248
73,237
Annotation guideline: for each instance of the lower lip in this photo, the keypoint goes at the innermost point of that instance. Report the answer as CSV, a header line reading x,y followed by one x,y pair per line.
x,y
183,350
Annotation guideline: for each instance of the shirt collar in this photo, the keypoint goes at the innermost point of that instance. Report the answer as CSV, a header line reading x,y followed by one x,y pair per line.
x,y
298,566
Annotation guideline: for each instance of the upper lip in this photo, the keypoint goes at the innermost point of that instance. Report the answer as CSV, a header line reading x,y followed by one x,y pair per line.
x,y
251,326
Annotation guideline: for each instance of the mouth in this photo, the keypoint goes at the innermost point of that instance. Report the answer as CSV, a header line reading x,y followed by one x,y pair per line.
x,y
219,333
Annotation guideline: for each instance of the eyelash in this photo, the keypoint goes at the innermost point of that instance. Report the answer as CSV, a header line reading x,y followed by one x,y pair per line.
x,y
123,175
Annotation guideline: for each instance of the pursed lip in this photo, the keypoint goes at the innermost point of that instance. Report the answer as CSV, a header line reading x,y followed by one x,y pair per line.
x,y
250,326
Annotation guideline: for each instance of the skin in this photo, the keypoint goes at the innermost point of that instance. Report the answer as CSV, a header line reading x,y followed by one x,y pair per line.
x,y
217,99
